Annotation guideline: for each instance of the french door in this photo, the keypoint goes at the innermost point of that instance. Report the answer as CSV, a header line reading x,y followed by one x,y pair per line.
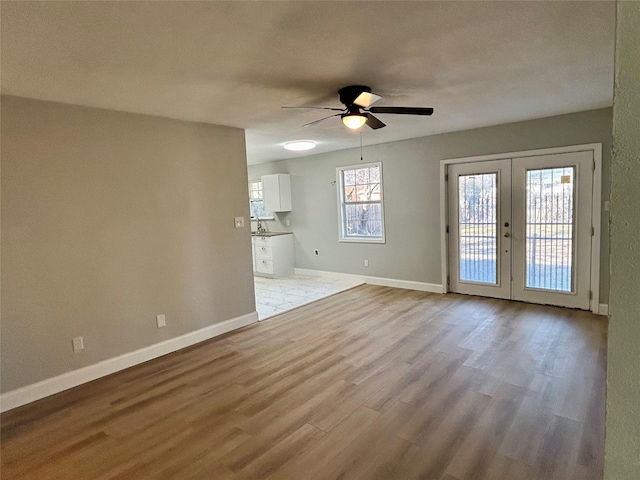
x,y
520,228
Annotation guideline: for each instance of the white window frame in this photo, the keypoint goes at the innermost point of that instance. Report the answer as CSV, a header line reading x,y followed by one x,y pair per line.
x,y
269,215
342,237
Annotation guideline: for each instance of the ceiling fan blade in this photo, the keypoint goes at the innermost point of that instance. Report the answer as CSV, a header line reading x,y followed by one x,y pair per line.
x,y
321,108
318,121
373,122
403,110
366,99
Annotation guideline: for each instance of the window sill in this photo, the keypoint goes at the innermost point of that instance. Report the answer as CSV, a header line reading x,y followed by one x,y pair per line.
x,y
362,240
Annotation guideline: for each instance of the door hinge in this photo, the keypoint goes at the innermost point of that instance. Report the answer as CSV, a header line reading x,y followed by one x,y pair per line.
x,y
448,280
594,165
593,231
447,228
446,177
590,294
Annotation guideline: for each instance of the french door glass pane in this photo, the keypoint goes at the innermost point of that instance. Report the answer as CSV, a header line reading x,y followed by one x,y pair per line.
x,y
477,222
549,228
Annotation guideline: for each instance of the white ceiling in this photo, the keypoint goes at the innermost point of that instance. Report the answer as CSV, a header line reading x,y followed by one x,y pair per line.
x,y
236,63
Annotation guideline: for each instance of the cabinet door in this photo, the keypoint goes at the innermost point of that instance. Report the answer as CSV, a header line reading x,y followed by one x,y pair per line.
x,y
276,192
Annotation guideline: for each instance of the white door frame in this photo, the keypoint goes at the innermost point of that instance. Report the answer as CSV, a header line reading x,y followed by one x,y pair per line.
x,y
596,148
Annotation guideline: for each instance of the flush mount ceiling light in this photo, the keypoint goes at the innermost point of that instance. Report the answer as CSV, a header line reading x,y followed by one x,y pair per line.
x,y
354,120
300,145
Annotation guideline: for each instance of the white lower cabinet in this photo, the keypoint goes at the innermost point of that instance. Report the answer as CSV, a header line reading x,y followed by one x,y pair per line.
x,y
273,255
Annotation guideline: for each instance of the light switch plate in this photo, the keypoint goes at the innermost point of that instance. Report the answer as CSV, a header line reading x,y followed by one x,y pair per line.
x,y
161,321
239,222
77,343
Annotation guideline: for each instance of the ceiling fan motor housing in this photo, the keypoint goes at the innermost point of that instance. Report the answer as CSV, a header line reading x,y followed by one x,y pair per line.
x,y
350,93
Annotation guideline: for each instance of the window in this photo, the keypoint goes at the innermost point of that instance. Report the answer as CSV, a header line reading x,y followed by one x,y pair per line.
x,y
256,202
361,207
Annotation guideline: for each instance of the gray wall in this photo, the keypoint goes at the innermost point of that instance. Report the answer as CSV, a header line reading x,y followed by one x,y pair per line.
x,y
412,194
622,450
109,219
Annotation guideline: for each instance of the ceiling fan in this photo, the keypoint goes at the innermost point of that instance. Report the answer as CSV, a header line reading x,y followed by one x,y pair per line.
x,y
358,111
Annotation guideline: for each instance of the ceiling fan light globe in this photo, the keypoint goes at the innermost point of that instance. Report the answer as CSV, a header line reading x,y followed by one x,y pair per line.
x,y
354,121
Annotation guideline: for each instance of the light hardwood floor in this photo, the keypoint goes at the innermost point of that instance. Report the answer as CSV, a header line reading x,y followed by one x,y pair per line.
x,y
372,383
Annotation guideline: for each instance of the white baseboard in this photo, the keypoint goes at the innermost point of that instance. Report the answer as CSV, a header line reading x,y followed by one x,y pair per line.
x,y
385,282
408,284
602,308
57,384
322,273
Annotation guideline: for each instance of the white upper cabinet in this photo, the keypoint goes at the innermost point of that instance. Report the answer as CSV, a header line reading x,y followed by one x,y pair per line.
x,y
276,192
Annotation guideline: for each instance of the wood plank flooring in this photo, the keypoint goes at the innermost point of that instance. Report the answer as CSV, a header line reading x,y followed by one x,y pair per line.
x,y
372,383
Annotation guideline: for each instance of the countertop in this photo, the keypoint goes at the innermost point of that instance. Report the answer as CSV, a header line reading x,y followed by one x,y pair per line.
x,y
269,234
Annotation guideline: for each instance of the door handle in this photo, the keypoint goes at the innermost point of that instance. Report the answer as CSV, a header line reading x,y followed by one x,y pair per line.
x,y
507,235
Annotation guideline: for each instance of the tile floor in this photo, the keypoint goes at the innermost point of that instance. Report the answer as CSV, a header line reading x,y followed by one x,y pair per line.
x,y
277,295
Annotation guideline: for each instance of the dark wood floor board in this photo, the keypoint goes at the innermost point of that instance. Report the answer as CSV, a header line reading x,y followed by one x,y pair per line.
x,y
372,383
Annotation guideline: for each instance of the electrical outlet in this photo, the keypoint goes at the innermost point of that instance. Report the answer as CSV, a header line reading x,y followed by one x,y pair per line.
x,y
366,263
77,343
161,321
239,222
287,222
316,252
